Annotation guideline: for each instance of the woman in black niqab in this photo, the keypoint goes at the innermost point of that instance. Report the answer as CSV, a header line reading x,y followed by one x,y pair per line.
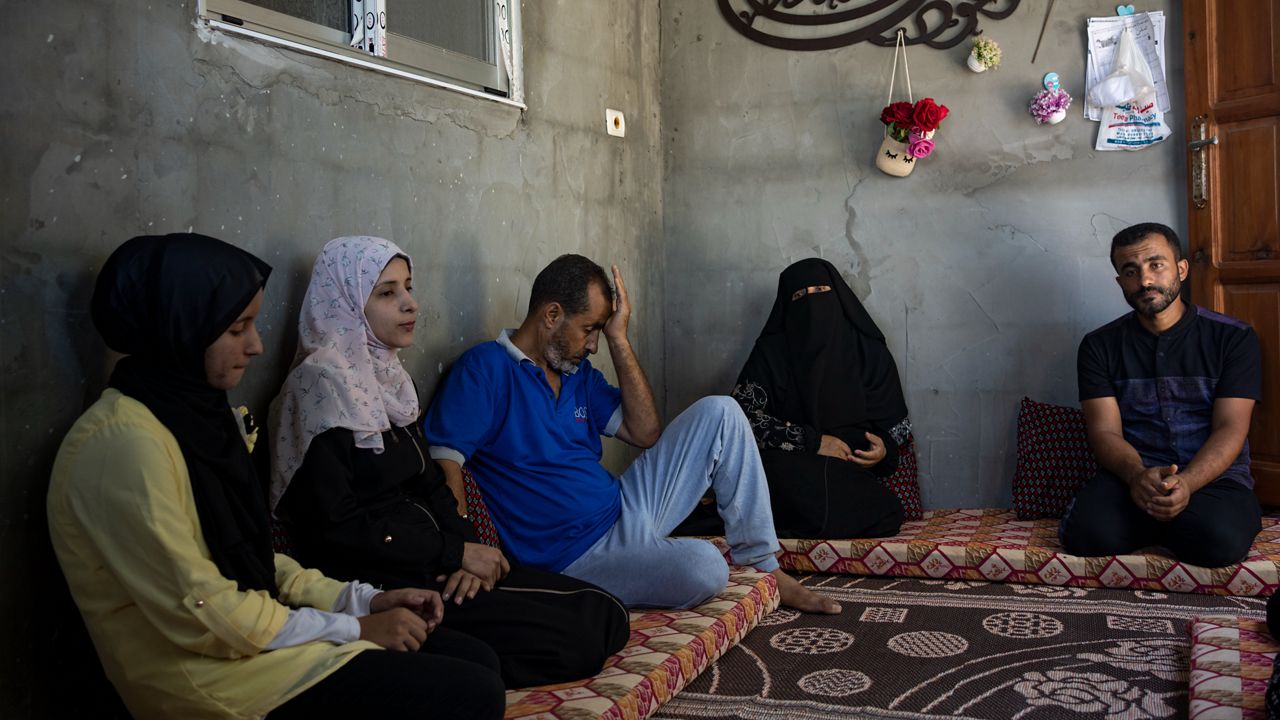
x,y
822,392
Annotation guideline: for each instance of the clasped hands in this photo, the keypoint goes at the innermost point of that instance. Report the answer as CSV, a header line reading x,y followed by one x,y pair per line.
x,y
482,568
1160,492
402,619
833,446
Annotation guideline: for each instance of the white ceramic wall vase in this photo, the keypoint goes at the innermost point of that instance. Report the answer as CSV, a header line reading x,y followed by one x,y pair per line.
x,y
893,158
974,65
1057,117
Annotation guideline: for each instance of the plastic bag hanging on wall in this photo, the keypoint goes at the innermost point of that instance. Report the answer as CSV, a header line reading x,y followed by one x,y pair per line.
x,y
369,26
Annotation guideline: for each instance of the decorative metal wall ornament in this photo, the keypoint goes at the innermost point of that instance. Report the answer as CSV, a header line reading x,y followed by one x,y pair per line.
x,y
827,24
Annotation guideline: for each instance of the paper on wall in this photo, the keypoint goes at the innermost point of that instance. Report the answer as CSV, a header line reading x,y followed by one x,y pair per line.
x,y
1147,31
369,26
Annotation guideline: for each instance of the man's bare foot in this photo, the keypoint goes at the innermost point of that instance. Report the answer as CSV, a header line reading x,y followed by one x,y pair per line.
x,y
795,595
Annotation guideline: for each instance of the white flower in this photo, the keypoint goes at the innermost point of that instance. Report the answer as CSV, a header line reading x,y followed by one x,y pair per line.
x,y
1092,693
1154,657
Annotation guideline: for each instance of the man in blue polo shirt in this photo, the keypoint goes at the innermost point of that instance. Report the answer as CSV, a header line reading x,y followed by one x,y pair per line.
x,y
525,414
1167,392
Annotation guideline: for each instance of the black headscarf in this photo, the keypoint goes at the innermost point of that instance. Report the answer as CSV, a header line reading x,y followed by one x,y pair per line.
x,y
823,361
163,300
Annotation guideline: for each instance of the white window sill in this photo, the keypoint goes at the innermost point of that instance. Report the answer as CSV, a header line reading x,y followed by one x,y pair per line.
x,y
232,29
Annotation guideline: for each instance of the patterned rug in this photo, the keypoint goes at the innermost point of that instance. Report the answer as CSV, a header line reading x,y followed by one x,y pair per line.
x,y
914,648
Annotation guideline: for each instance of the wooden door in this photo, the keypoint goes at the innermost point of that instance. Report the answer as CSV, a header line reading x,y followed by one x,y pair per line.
x,y
1233,95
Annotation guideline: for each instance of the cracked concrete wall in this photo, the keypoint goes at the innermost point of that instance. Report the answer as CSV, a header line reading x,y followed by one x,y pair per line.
x,y
984,268
127,119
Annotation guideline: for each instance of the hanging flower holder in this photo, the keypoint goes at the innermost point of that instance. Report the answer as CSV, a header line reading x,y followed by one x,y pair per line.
x,y
909,126
985,55
1049,106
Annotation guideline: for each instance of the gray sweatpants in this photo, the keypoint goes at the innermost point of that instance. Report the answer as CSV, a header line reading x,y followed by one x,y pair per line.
x,y
710,445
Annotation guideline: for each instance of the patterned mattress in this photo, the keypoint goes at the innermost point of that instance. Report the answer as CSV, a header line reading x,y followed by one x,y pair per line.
x,y
1231,660
666,651
991,544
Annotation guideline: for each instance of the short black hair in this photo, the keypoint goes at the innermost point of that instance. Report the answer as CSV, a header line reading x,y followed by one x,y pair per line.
x,y
567,280
1135,234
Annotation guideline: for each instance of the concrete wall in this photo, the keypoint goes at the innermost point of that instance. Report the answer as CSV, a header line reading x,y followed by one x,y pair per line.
x,y
984,268
125,119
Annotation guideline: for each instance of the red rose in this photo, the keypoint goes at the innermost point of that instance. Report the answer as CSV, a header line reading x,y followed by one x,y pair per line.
x,y
898,113
928,115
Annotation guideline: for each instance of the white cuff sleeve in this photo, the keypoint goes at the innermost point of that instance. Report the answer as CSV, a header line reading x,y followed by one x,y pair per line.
x,y
440,452
615,422
355,598
309,625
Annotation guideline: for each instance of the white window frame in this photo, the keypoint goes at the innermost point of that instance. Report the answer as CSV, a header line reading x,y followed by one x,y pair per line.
x,y
413,59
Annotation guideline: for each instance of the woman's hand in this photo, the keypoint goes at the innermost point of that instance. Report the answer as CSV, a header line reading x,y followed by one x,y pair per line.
x,y
462,585
426,603
486,563
870,457
833,446
402,619
395,629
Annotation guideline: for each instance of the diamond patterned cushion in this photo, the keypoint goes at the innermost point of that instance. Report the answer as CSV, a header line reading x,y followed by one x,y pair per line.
x,y
904,483
478,512
1053,459
1231,660
992,544
667,650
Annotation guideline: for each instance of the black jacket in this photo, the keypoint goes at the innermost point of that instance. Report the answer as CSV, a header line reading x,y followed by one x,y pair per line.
x,y
383,518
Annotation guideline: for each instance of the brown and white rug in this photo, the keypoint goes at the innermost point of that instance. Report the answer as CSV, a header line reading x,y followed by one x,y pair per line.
x,y
910,648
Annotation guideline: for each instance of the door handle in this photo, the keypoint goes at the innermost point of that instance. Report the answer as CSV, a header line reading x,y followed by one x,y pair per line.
x,y
1200,161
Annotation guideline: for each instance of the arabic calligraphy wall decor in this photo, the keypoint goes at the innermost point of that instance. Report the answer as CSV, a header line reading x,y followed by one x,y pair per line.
x,y
827,24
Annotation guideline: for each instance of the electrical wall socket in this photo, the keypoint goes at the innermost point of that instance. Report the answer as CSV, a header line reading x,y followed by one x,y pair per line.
x,y
614,123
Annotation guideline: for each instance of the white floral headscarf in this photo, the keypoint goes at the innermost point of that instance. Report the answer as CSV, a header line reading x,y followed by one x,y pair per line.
x,y
343,375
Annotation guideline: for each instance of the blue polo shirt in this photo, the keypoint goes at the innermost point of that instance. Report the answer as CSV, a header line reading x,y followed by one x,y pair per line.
x,y
1165,384
535,457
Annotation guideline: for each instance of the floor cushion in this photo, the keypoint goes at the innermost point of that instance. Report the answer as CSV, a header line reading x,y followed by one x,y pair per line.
x,y
1054,460
667,650
1231,661
992,544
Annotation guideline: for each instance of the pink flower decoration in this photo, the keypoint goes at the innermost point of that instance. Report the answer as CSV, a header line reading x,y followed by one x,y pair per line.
x,y
919,145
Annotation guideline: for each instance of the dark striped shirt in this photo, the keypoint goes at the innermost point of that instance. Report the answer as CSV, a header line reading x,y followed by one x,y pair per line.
x,y
1166,384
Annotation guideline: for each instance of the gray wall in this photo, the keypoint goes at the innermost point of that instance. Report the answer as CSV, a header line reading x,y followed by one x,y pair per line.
x,y
125,119
984,268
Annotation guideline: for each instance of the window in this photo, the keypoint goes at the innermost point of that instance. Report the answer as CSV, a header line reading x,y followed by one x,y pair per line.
x,y
468,45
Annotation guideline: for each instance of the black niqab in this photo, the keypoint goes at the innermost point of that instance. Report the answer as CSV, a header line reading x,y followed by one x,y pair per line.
x,y
822,360
163,300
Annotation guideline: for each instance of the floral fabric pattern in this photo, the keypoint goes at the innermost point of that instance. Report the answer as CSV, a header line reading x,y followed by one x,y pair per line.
x,y
1091,693
771,433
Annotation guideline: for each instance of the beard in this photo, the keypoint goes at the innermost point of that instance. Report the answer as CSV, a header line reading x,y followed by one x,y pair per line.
x,y
557,355
1150,307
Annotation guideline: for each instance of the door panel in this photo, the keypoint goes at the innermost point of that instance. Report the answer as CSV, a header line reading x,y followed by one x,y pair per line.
x,y
1247,175
1261,304
1233,85
1249,35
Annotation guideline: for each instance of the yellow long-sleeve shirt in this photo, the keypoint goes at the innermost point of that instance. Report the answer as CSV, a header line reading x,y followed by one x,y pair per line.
x,y
175,637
